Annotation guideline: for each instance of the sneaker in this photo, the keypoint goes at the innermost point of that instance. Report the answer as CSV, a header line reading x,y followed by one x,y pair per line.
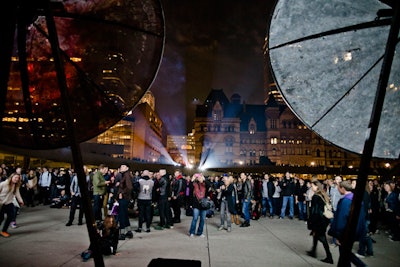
x,y
202,236
221,228
139,230
229,229
360,256
168,226
148,231
191,235
157,227
13,225
4,234
129,234
68,224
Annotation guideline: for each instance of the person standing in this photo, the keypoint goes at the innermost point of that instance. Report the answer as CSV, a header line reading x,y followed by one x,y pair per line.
x,y
247,199
99,190
9,189
268,190
177,195
227,204
200,187
300,199
31,187
287,186
163,203
44,186
144,201
124,195
76,199
317,222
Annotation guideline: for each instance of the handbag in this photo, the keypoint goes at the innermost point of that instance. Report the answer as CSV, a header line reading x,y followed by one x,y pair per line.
x,y
205,203
328,211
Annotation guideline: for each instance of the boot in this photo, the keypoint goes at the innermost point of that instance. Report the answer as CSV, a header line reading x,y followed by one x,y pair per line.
x,y
237,220
232,218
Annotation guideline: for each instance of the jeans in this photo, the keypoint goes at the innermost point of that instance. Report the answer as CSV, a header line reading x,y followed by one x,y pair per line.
x,y
145,213
365,243
302,210
275,204
97,206
291,206
246,210
196,214
264,202
225,212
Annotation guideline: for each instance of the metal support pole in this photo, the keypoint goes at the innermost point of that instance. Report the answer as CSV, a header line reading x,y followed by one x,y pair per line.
x,y
75,148
349,235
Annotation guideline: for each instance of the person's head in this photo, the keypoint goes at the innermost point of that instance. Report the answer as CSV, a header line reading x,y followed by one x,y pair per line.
x,y
109,222
387,187
338,179
162,172
301,181
124,167
329,182
198,177
103,169
14,180
266,176
316,185
345,187
243,176
177,173
287,175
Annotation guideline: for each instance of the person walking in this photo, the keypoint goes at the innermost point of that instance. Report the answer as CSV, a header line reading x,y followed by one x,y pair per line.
x,y
317,222
339,222
9,189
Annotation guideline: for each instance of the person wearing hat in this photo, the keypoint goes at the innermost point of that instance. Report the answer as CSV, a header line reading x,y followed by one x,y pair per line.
x,y
124,195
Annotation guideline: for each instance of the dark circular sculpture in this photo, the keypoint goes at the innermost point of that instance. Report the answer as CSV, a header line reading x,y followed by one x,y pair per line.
x,y
110,50
326,58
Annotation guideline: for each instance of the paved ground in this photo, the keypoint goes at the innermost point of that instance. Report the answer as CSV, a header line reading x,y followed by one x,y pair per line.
x,y
42,239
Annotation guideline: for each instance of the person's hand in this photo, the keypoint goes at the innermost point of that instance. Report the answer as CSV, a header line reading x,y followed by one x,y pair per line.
x,y
120,195
337,242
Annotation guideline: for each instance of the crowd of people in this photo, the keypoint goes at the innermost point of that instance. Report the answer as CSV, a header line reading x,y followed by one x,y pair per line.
x,y
117,195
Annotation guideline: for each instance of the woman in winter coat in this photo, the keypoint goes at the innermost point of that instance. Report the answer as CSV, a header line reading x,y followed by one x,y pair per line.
x,y
199,191
317,222
8,190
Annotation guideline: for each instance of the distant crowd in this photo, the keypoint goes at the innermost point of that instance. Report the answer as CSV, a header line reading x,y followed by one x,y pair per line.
x,y
118,195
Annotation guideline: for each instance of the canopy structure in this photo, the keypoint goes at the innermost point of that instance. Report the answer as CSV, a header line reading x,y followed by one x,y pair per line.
x,y
110,51
326,58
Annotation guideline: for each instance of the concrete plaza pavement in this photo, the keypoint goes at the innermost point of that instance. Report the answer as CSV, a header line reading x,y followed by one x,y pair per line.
x,y
42,240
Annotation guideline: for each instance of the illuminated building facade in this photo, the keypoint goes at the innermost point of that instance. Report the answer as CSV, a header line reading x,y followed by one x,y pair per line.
x,y
181,148
231,133
140,132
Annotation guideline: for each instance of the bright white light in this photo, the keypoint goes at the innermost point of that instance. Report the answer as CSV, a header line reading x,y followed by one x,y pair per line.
x,y
387,165
347,56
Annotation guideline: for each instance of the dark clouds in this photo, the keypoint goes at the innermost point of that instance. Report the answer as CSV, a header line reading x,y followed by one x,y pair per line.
x,y
209,44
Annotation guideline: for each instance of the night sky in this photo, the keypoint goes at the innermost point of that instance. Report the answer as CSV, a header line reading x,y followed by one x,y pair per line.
x,y
209,44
